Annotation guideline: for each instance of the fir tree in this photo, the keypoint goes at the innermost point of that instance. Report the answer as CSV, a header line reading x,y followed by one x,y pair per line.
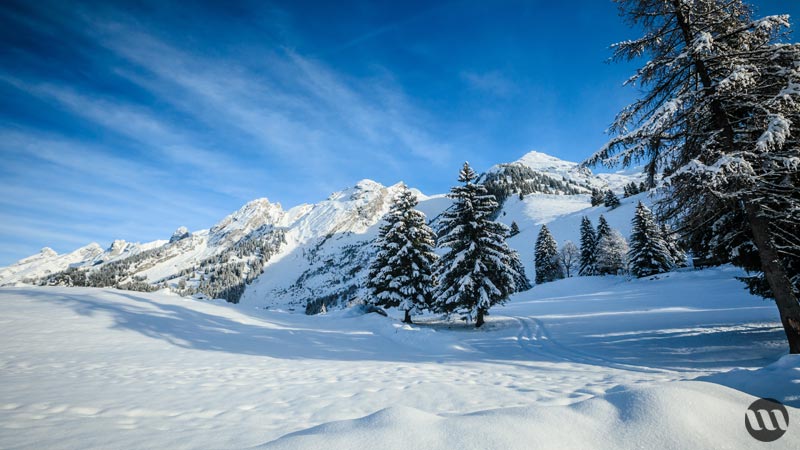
x,y
546,257
603,229
478,270
400,273
514,229
632,189
611,253
610,200
718,120
588,248
648,252
597,197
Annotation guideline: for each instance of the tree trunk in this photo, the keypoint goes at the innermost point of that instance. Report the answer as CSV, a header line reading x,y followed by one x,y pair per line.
x,y
407,318
774,273
479,321
776,276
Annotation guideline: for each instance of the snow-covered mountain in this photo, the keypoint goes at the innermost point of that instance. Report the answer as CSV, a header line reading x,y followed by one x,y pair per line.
x,y
314,254
47,261
571,173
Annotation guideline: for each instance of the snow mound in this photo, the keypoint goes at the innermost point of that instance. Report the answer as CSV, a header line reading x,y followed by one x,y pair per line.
x,y
779,380
685,415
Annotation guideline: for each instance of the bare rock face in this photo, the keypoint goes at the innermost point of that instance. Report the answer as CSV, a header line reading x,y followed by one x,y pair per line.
x,y
180,234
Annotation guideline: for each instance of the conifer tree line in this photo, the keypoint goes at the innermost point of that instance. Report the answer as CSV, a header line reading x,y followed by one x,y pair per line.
x,y
632,189
717,120
654,248
606,198
476,271
522,180
602,251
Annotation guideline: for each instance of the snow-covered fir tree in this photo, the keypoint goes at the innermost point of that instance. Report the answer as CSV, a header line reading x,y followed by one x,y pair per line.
x,y
597,197
676,253
611,200
400,274
718,118
612,253
514,230
478,270
632,188
603,228
648,252
546,260
570,257
588,263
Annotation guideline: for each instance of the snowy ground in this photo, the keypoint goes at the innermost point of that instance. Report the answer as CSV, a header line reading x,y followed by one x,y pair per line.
x,y
579,363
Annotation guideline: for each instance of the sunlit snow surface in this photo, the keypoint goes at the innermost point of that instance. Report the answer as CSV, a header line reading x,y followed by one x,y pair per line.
x,y
579,363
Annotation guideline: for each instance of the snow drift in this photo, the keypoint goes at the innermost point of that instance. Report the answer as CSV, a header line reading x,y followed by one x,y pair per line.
x,y
684,415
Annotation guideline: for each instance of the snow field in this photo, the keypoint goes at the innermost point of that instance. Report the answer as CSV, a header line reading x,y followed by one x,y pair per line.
x,y
598,362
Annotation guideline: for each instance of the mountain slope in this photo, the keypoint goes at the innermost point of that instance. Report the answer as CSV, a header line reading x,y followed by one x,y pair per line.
x,y
312,254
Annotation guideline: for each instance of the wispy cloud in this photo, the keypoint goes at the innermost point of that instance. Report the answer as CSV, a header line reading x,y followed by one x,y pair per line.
x,y
181,133
493,82
392,26
288,104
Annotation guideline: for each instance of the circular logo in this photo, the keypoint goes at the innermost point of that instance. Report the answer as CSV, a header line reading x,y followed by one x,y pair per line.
x,y
766,419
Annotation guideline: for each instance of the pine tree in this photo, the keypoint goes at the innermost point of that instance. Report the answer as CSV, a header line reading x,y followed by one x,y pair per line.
x,y
588,248
569,256
648,252
611,253
603,228
610,200
548,267
718,119
597,197
478,270
632,189
400,273
677,254
514,229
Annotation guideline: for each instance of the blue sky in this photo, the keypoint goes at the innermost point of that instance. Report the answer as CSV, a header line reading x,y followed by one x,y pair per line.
x,y
129,119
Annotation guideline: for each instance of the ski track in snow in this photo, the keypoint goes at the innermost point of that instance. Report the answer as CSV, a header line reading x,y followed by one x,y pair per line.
x,y
535,338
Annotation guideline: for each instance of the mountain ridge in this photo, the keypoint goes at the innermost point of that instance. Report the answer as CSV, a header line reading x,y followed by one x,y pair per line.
x,y
303,257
